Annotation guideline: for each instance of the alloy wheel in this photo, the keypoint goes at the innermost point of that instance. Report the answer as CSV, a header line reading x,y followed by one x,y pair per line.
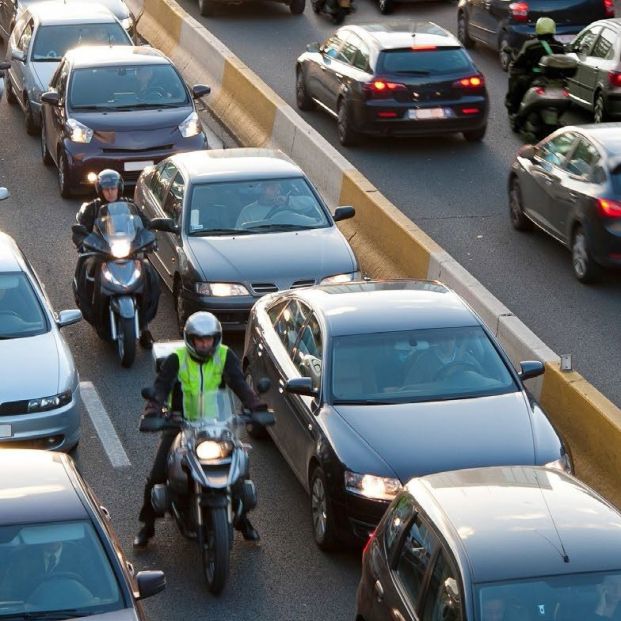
x,y
580,255
599,111
319,509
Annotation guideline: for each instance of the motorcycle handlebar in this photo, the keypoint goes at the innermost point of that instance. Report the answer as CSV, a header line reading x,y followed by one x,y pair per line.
x,y
174,420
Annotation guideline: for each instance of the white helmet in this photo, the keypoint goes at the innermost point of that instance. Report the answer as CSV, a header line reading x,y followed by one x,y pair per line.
x,y
202,324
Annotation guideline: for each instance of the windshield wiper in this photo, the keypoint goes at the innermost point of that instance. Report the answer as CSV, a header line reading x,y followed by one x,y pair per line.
x,y
51,615
45,59
93,107
144,106
209,232
280,227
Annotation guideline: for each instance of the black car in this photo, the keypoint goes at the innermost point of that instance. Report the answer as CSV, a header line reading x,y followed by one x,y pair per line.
x,y
504,25
116,107
59,558
406,79
569,185
494,544
376,382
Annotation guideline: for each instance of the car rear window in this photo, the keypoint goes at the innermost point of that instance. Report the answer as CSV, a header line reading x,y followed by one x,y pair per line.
x,y
21,314
424,62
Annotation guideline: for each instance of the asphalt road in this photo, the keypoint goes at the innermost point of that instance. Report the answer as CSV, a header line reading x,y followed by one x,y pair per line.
x,y
455,191
284,578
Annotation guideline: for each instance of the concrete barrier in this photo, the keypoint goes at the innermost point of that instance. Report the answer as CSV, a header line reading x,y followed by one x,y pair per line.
x,y
387,243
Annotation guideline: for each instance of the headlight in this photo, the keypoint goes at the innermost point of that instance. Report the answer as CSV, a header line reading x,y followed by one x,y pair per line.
x,y
78,132
371,486
49,403
191,126
340,278
220,289
120,248
563,464
209,450
127,23
111,278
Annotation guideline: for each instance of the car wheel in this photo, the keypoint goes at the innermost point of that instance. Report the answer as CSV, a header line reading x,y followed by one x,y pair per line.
x,y
302,98
504,52
10,95
348,136
385,6
475,135
463,33
45,154
32,127
519,221
297,7
206,8
599,109
63,180
586,269
257,432
324,528
177,302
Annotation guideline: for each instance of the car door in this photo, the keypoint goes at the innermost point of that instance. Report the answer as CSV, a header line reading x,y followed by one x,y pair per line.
x,y
580,50
355,66
7,14
330,72
20,44
54,116
484,19
598,64
173,208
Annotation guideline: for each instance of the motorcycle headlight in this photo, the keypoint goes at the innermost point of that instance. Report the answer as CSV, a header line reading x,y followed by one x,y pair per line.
x,y
340,278
78,132
209,450
120,248
190,126
371,486
49,403
220,289
563,463
112,279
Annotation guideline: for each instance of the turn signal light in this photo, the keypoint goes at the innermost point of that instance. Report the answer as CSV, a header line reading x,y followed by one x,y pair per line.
x,y
473,81
609,208
614,77
609,8
519,11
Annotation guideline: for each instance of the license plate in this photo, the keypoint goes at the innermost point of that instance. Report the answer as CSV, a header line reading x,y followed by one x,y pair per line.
x,y
427,113
5,431
565,38
133,166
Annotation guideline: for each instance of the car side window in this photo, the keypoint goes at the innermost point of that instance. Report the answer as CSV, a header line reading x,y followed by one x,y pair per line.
x,y
554,151
397,521
161,179
174,199
290,323
309,351
350,47
584,42
24,41
583,160
361,61
332,48
443,601
274,311
605,45
414,558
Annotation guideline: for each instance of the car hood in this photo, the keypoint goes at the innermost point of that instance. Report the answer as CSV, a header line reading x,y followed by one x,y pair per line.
x,y
107,124
118,8
127,614
416,439
29,367
43,72
278,258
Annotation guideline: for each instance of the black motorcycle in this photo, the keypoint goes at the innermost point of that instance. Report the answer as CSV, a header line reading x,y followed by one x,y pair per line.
x,y
337,10
113,279
207,490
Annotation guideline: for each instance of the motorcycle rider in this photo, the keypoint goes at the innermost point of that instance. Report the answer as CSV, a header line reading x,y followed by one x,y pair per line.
x,y
525,67
109,187
203,365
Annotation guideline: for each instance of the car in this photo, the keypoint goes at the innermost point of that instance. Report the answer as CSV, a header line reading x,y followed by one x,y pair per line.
x,y
375,382
569,185
596,85
59,557
403,79
506,543
212,260
42,35
39,404
117,107
504,26
3,67
207,8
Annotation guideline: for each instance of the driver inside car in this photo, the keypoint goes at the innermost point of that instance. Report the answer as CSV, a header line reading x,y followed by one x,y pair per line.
x,y
269,201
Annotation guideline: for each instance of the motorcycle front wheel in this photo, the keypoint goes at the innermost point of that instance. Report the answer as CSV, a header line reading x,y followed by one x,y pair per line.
x,y
215,547
126,340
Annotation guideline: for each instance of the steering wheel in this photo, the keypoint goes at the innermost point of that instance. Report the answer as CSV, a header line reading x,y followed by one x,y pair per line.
x,y
52,54
454,367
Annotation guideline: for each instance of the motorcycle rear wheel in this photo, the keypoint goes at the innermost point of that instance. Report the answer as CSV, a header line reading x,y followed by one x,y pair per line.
x,y
126,340
215,547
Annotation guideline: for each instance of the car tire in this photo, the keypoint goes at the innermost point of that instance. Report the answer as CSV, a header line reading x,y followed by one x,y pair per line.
x,y
177,303
463,31
32,127
302,98
599,108
385,7
348,136
519,221
256,432
46,158
63,181
586,270
504,52
206,8
475,135
10,95
322,515
297,7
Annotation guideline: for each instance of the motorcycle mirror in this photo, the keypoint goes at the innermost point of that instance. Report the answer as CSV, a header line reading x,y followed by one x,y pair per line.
x,y
150,583
148,393
263,418
4,194
263,385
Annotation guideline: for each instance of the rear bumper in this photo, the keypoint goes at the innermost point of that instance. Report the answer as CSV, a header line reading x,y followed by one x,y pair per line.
x,y
606,244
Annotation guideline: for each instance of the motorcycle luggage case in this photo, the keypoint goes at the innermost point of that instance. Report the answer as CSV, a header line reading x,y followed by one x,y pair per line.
x,y
558,66
163,349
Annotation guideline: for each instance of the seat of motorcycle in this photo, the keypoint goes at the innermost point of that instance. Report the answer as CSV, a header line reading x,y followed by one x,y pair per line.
x,y
162,349
558,66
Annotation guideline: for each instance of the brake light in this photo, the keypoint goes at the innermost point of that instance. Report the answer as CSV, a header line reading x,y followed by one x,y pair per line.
x,y
470,110
368,543
609,208
383,88
519,11
424,48
614,77
609,8
387,114
473,81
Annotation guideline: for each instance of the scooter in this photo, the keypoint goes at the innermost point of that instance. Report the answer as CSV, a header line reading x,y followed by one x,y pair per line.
x,y
335,9
207,490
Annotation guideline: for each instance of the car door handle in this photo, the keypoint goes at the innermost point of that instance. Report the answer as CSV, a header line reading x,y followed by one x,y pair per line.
x,y
573,195
339,75
323,67
379,590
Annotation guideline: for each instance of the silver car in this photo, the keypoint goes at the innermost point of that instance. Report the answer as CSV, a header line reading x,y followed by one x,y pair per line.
x,y
243,223
40,38
39,385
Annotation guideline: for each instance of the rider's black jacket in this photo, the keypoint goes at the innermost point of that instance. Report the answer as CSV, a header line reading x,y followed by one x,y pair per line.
x,y
89,211
533,51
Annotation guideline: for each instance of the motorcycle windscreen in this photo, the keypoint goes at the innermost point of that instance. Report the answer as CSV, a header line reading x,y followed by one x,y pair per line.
x,y
119,224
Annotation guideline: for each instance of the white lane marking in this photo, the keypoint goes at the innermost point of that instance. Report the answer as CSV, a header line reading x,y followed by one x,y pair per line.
x,y
103,425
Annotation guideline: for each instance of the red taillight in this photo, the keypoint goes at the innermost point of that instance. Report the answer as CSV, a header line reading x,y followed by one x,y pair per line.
x,y
609,208
383,88
470,110
609,8
387,114
473,81
369,542
519,11
424,48
614,77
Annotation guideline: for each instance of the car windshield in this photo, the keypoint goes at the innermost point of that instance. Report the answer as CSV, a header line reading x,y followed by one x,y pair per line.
x,y
570,597
21,314
418,62
127,87
417,365
52,42
253,207
60,566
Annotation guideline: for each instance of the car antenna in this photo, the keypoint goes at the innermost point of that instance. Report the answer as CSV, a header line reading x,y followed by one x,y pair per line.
x,y
562,551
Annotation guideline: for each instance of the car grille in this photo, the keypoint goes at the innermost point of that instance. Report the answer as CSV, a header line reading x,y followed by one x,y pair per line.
x,y
302,283
163,147
261,288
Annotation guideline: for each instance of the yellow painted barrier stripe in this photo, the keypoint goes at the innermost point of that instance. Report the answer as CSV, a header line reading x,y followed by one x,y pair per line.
x,y
167,18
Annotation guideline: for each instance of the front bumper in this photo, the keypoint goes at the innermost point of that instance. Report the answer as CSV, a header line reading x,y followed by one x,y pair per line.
x,y
356,516
232,312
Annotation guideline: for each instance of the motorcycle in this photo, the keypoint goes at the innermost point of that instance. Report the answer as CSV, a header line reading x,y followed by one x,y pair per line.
x,y
547,99
335,9
116,275
207,490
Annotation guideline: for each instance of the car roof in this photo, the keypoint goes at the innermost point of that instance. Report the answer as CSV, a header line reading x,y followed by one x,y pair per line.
x,y
236,164
51,13
522,521
607,135
10,255
101,56
36,486
391,305
615,22
399,35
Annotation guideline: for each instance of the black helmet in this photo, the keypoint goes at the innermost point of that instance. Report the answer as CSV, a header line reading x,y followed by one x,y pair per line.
x,y
202,324
109,178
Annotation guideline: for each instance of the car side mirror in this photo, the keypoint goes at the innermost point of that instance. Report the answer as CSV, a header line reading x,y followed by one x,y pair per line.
x,y
68,317
599,175
4,194
167,225
4,65
51,97
200,90
530,369
528,151
313,48
344,213
150,583
301,386
17,55
264,385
